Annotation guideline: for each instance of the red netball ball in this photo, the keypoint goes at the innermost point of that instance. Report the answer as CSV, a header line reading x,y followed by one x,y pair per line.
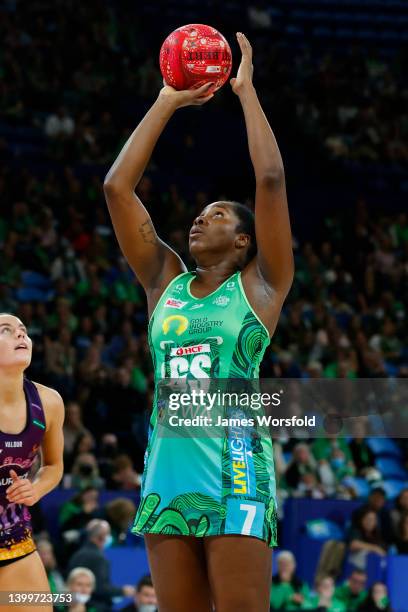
x,y
194,55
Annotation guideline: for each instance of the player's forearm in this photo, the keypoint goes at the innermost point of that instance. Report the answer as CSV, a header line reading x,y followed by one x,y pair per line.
x,y
131,162
263,148
47,478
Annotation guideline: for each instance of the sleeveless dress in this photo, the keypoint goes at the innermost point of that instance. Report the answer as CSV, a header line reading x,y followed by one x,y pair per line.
x,y
18,452
205,485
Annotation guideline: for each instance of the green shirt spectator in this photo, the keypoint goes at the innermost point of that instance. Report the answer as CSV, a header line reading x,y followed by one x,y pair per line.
x,y
352,593
377,599
127,292
288,595
288,592
314,602
323,598
322,448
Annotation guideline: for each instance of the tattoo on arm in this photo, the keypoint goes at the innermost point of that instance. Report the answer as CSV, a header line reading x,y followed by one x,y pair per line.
x,y
148,232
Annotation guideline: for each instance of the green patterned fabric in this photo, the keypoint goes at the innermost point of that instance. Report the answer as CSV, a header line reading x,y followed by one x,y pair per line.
x,y
207,485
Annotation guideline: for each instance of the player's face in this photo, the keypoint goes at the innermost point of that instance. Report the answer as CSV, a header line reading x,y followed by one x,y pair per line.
x,y
214,230
15,345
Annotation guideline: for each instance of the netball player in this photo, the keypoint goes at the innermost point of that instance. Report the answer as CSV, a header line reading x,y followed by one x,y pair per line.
x,y
208,514
31,419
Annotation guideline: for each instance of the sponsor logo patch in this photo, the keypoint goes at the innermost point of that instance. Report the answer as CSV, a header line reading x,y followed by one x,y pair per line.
x,y
173,303
180,324
221,300
179,351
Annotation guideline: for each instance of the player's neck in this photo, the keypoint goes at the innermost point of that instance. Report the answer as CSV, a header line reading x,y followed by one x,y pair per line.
x,y
11,386
210,276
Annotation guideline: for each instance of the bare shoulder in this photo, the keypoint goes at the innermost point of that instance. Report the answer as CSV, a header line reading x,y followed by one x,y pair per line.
x,y
53,404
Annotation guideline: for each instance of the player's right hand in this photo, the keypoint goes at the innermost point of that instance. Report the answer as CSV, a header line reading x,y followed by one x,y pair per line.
x,y
187,97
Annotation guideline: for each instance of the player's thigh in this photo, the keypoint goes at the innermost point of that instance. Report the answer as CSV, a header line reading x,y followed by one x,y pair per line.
x,y
239,572
26,575
178,569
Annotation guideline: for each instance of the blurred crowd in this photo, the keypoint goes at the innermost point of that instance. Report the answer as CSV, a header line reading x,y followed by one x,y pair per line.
x,y
289,592
352,103
78,561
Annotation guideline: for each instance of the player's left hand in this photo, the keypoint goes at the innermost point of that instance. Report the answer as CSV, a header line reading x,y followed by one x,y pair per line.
x,y
246,69
22,491
187,97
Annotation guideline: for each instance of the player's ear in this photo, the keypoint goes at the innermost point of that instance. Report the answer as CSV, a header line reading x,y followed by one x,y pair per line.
x,y
241,241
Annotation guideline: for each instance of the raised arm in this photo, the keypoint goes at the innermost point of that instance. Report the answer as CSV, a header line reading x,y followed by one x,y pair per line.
x,y
274,261
153,261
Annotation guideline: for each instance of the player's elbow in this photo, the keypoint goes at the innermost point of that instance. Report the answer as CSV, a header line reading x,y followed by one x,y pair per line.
x,y
111,188
114,187
271,178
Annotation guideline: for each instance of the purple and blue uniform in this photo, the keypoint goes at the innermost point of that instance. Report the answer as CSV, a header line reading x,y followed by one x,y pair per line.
x,y
18,452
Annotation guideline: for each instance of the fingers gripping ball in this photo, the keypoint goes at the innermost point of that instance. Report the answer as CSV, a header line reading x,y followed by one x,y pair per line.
x,y
194,55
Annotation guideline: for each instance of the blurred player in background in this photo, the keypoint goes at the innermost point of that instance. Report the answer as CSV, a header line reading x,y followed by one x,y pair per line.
x,y
31,419
208,525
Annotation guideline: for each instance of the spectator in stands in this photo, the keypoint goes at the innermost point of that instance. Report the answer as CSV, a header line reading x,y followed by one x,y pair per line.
x,y
365,537
353,592
124,477
78,511
81,583
376,501
91,555
120,513
85,473
399,510
60,124
73,428
46,552
145,599
60,358
85,443
362,455
91,364
125,407
301,474
288,591
108,452
68,267
324,599
401,536
336,453
377,599
74,515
